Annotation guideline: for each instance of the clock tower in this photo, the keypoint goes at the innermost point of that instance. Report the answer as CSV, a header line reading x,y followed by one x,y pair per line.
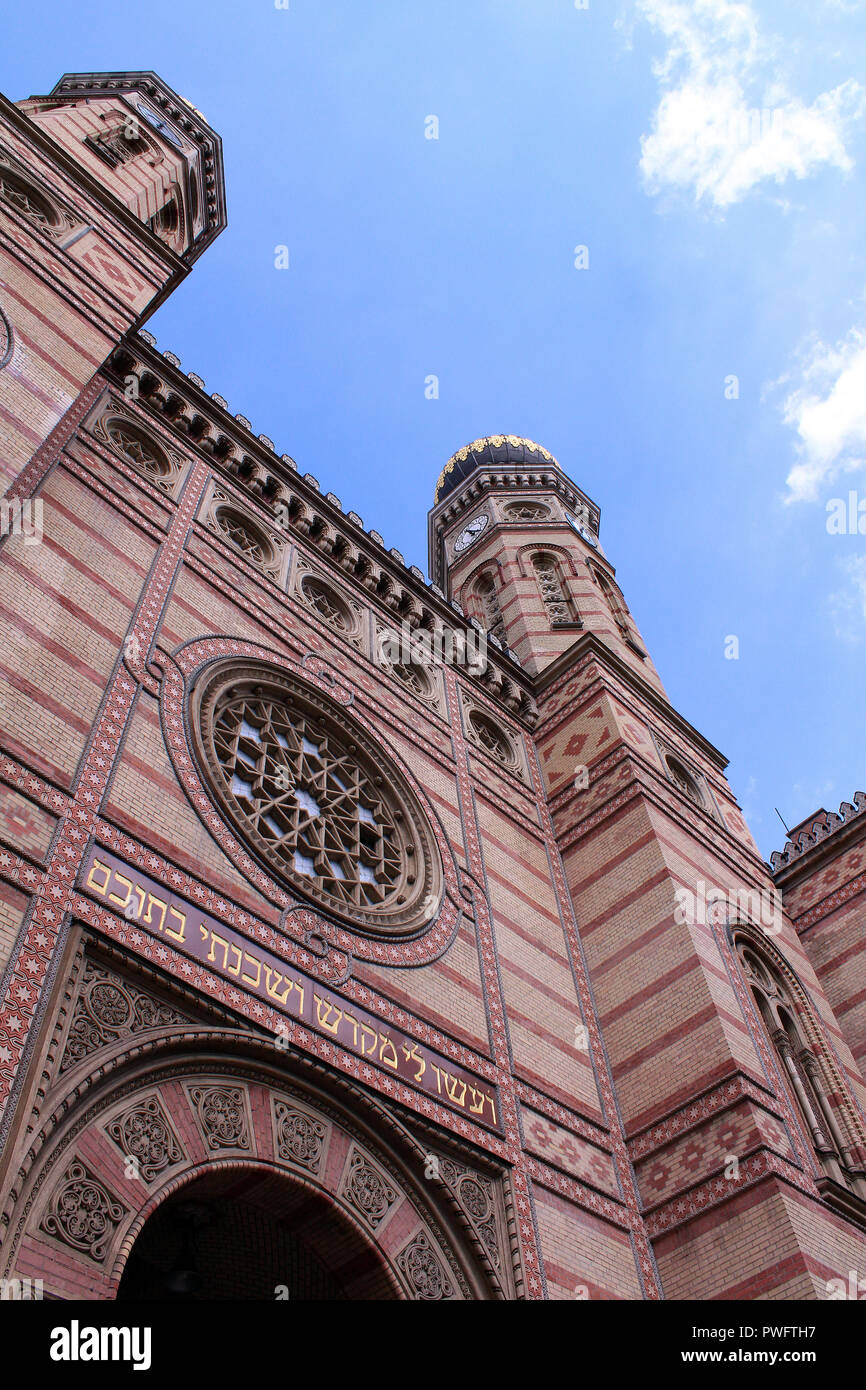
x,y
516,543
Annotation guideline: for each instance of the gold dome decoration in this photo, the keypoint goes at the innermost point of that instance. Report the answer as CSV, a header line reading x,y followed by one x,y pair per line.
x,y
495,441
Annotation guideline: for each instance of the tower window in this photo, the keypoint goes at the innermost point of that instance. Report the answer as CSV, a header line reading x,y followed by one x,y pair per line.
x,y
556,602
488,598
167,224
680,774
118,144
613,599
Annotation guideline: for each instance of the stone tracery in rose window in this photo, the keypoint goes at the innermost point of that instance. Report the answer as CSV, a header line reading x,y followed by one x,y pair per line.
x,y
318,806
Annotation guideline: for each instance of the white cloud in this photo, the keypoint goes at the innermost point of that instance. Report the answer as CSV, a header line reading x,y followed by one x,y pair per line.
x,y
725,121
848,606
828,411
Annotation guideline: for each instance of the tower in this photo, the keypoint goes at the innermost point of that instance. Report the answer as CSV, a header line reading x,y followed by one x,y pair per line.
x,y
110,187
516,542
709,1013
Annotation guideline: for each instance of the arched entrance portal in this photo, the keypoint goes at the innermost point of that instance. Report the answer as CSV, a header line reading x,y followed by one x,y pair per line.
x,y
185,1160
247,1234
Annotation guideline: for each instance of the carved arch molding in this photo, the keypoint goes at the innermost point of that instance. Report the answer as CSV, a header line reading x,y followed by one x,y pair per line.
x,y
144,1099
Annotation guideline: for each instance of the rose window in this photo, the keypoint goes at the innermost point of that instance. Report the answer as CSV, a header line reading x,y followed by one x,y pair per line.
x,y
317,800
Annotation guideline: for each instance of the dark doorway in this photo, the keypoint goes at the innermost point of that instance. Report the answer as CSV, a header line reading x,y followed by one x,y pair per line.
x,y
236,1235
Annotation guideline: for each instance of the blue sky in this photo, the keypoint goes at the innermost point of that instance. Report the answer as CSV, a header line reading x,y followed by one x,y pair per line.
x,y
708,154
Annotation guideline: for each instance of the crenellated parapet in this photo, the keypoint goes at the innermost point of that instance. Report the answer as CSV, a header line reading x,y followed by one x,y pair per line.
x,y
815,830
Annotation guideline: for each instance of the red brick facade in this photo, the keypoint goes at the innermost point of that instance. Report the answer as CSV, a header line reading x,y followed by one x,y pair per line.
x,y
572,1091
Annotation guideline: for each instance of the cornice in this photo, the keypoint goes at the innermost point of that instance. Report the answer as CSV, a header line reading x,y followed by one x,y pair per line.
x,y
249,462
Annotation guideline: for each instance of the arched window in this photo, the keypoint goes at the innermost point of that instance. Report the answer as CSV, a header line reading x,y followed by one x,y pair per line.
x,y
782,1013
559,608
19,193
488,601
680,775
119,142
167,224
614,600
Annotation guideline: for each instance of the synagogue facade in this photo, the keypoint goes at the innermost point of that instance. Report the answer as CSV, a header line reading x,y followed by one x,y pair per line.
x,y
363,936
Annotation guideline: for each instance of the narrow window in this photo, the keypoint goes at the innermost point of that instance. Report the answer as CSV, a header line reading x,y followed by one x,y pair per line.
x,y
489,600
559,608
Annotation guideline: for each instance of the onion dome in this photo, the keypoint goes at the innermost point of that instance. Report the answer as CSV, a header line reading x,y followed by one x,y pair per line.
x,y
493,451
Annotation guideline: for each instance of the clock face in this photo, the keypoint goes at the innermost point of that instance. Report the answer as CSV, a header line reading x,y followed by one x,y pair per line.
x,y
584,534
159,124
470,533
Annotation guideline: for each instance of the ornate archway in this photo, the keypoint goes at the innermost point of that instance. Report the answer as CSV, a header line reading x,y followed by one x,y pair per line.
x,y
181,1115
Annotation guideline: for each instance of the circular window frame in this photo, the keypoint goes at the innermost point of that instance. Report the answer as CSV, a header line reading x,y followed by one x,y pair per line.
x,y
476,716
394,921
349,629
543,513
144,438
248,524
